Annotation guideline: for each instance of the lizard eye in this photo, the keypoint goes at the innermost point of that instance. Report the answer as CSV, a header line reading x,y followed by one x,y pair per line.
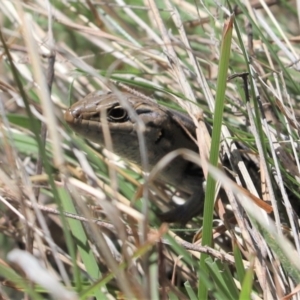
x,y
117,114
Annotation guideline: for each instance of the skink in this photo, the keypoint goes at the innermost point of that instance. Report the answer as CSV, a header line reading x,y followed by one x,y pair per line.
x,y
166,130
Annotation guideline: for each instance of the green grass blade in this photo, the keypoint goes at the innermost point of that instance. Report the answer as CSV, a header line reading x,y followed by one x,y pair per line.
x,y
214,150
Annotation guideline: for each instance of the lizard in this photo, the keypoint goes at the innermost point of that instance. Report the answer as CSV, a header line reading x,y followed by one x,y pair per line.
x,y
166,130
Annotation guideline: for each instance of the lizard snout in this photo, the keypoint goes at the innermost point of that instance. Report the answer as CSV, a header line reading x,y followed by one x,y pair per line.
x,y
69,116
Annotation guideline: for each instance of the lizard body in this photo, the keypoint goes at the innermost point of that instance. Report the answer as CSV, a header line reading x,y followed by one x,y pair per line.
x,y
166,130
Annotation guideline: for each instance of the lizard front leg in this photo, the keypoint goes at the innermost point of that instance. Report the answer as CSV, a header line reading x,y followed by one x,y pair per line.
x,y
185,212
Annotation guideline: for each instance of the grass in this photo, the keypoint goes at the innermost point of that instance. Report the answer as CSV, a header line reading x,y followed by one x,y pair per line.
x,y
55,186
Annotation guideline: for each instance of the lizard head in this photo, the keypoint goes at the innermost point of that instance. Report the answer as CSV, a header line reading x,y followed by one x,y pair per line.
x,y
125,117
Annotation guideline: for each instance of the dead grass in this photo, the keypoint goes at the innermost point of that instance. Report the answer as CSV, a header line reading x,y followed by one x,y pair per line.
x,y
54,186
